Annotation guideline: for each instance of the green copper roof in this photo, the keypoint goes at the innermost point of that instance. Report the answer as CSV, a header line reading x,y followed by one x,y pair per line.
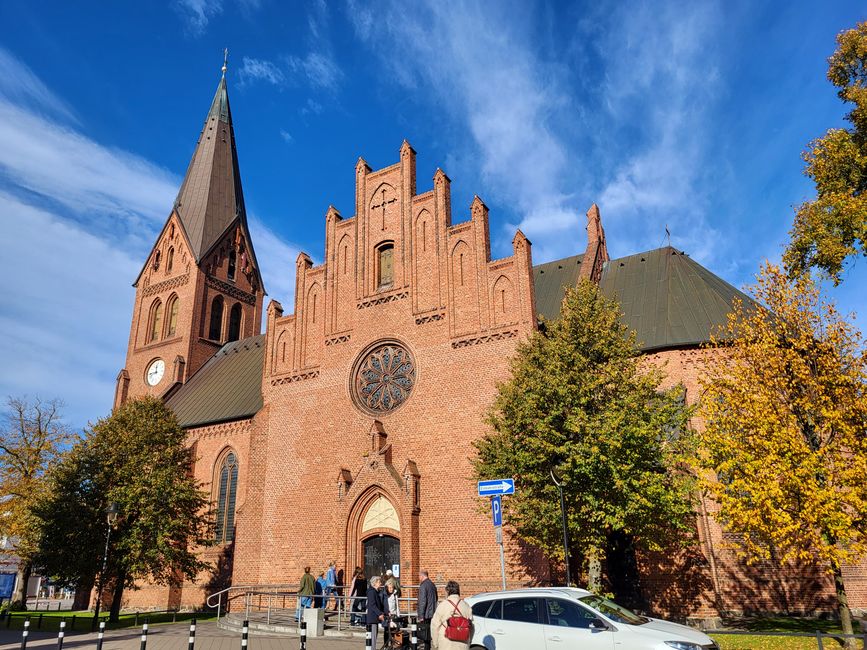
x,y
667,298
227,387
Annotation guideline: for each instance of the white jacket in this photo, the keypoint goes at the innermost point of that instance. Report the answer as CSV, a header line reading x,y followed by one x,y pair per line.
x,y
438,623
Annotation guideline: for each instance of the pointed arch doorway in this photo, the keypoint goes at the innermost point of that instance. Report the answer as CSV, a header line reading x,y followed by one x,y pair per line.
x,y
381,553
374,533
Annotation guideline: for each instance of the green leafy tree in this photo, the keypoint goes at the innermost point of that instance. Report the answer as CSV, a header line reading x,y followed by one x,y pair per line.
x,y
833,227
138,459
31,440
581,403
785,408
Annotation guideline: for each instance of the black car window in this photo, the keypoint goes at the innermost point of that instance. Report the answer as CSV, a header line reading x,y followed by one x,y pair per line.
x,y
481,609
564,613
496,611
522,610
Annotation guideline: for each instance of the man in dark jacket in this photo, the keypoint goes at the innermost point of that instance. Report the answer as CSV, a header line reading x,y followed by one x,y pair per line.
x,y
427,604
376,609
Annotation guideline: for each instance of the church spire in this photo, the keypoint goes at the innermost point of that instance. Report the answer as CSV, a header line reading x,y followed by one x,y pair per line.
x,y
211,200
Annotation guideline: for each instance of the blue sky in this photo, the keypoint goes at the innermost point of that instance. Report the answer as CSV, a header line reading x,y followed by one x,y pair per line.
x,y
690,114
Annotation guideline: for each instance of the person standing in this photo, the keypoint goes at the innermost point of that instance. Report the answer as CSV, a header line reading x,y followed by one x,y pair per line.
x,y
357,596
452,606
376,609
427,604
305,592
391,580
331,584
319,599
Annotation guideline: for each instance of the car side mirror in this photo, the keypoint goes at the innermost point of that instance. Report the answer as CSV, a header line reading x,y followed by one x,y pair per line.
x,y
598,624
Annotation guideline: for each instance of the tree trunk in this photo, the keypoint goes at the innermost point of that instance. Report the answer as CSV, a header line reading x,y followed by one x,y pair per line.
x,y
82,594
117,596
594,571
843,606
19,596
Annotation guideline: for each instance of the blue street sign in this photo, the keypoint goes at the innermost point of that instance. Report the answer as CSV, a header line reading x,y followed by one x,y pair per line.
x,y
497,510
499,486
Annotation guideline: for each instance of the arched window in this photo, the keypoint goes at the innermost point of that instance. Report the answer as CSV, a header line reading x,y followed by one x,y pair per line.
x,y
385,266
156,321
227,486
235,322
233,257
215,331
172,316
170,259
156,261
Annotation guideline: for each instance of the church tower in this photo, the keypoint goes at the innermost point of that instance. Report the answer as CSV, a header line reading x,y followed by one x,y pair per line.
x,y
200,287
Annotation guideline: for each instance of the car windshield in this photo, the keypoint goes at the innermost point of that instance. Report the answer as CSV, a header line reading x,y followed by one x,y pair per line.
x,y
613,611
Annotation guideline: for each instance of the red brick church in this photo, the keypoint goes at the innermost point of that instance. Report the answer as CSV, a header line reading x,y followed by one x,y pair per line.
x,y
344,430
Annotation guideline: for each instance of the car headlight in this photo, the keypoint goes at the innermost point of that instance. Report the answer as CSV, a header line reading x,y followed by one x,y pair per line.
x,y
683,645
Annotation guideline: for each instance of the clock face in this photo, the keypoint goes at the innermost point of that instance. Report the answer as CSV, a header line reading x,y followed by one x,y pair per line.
x,y
155,372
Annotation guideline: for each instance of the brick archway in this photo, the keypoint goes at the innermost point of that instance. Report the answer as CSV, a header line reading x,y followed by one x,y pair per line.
x,y
357,531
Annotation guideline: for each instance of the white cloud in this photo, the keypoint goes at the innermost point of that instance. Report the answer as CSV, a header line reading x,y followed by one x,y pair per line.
x,y
66,309
260,70
19,85
318,68
277,261
482,65
198,13
287,137
79,219
661,73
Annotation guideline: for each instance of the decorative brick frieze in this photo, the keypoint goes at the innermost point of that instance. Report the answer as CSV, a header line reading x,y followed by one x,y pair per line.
x,y
421,320
231,290
487,338
382,300
336,340
166,285
291,379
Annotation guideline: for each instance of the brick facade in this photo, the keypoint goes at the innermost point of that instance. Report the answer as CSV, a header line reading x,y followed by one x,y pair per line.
x,y
316,458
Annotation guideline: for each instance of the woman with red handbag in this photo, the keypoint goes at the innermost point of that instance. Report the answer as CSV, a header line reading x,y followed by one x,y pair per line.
x,y
452,624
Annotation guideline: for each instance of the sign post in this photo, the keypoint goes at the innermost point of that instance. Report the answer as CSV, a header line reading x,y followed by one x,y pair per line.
x,y
495,489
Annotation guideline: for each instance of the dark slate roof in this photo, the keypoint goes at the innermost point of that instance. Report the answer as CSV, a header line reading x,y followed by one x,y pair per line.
x,y
227,387
210,198
550,281
667,298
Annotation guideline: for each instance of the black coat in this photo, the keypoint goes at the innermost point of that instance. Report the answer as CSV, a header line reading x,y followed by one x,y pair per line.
x,y
427,600
376,605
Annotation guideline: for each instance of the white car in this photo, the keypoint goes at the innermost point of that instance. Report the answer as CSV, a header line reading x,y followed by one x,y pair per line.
x,y
563,618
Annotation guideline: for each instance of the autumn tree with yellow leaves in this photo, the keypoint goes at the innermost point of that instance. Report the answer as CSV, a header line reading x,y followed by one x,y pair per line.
x,y
785,407
833,227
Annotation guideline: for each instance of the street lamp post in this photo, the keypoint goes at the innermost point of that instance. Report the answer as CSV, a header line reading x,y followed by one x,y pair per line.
x,y
111,517
559,484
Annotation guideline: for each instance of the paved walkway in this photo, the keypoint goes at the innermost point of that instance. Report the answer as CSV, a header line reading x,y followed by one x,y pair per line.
x,y
171,637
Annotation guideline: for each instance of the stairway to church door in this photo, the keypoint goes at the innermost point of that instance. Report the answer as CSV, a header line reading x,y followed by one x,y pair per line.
x,y
380,554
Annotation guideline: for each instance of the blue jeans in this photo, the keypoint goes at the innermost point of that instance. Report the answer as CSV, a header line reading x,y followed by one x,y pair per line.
x,y
304,602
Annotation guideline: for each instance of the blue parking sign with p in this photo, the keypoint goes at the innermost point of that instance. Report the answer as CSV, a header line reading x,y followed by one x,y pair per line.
x,y
497,510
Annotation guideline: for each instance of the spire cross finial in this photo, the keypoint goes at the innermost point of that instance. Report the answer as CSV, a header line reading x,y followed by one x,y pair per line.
x,y
225,60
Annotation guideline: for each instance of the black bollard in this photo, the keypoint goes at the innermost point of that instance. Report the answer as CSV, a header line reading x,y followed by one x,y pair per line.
x,y
100,635
39,622
192,642
368,643
72,625
303,635
413,636
245,630
135,622
144,636
60,634
25,633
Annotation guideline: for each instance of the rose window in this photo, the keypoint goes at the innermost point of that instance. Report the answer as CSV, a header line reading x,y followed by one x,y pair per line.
x,y
384,378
